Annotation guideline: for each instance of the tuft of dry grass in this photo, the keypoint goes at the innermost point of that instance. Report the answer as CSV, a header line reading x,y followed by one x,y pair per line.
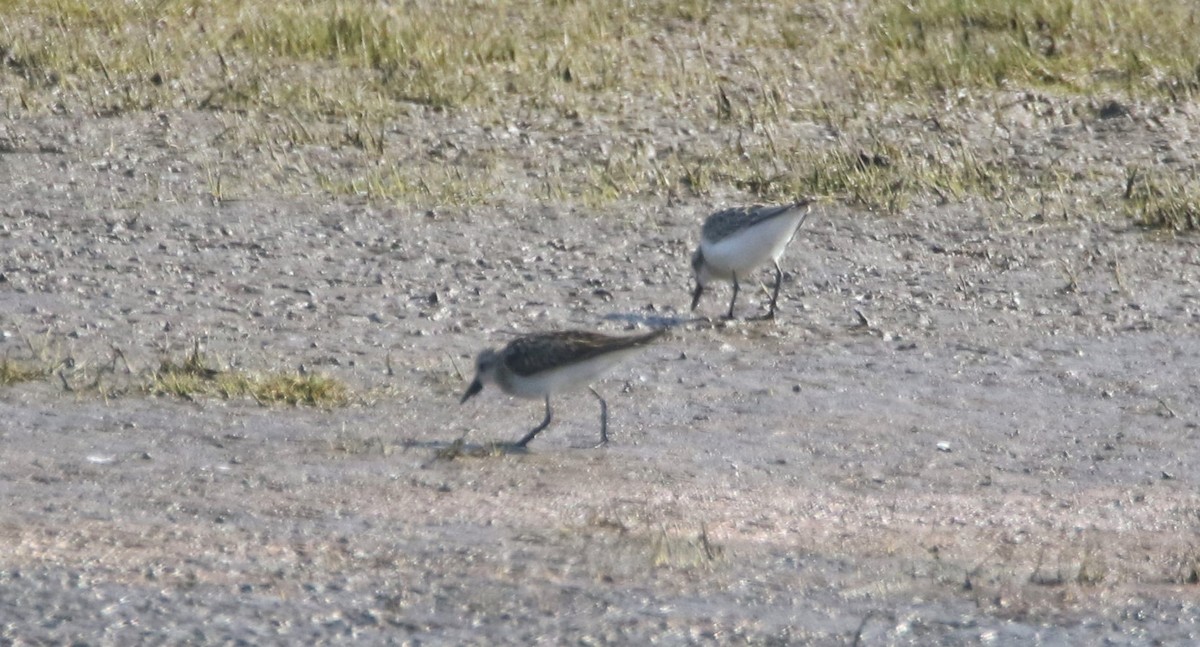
x,y
190,377
672,549
193,377
15,372
1162,201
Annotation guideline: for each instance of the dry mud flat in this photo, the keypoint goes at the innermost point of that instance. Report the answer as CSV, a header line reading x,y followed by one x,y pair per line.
x,y
1001,449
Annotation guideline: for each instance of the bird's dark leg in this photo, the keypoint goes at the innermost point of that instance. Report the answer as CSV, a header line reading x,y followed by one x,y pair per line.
x,y
775,296
734,299
603,418
536,430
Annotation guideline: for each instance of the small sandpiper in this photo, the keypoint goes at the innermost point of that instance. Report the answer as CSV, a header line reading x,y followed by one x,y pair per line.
x,y
735,241
537,365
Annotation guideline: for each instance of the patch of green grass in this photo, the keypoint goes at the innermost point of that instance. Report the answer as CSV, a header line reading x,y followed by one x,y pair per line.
x,y
235,54
296,81
312,390
1162,201
336,59
887,176
112,56
192,378
1078,46
884,176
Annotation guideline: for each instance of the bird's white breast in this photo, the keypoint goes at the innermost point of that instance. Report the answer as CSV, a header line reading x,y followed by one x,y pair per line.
x,y
563,378
751,247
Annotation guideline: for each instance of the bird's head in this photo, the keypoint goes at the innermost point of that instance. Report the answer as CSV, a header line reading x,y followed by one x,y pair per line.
x,y
485,372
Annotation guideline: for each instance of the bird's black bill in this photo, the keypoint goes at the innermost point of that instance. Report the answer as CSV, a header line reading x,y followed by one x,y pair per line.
x,y
476,387
696,295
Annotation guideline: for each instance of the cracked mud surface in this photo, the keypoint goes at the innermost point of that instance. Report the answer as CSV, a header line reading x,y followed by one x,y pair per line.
x,y
966,426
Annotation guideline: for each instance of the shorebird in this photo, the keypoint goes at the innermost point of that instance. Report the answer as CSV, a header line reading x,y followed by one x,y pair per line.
x,y
540,364
735,241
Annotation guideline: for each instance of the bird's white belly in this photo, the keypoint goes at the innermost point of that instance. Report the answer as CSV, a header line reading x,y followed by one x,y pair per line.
x,y
563,378
750,248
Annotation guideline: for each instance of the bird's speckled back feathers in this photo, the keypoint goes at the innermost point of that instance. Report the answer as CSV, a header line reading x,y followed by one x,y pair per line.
x,y
533,354
723,223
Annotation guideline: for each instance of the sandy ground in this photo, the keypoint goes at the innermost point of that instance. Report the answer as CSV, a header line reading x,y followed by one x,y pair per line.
x,y
967,426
